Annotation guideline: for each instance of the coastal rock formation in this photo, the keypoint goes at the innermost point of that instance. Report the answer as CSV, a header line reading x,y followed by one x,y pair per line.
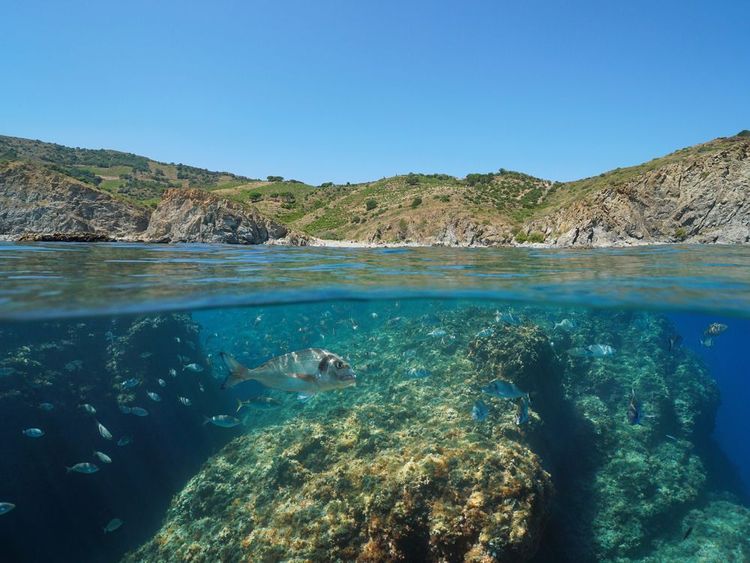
x,y
38,203
701,198
191,215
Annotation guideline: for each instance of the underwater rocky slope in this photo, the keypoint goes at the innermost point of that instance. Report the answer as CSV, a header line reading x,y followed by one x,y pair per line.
x,y
398,469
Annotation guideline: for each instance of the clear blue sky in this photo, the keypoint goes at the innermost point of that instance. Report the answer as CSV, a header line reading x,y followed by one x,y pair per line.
x,y
353,90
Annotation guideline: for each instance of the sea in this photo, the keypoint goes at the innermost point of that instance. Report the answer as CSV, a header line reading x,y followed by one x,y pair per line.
x,y
509,404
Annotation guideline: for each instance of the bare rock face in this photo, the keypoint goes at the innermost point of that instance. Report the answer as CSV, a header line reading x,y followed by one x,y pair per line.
x,y
701,199
189,215
39,204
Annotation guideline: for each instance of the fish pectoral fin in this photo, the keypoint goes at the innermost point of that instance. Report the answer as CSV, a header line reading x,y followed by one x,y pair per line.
x,y
309,378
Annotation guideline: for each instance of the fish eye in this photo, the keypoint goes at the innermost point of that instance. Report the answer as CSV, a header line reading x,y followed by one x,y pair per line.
x,y
339,364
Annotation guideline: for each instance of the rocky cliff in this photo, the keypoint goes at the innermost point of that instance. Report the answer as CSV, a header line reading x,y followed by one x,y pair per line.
x,y
38,203
191,215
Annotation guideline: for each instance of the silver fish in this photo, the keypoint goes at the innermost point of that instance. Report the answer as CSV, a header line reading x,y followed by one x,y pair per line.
x,y
88,408
306,371
138,411
600,350
46,406
124,441
173,372
130,383
113,525
503,389
33,432
185,401
84,467
565,324
195,368
222,420
161,382
106,434
124,409
101,456
437,333
153,396
479,411
6,507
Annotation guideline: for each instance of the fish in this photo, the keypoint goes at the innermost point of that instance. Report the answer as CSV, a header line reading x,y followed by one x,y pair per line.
x,y
153,396
565,324
138,411
687,533
146,355
84,467
106,434
124,409
715,329
437,333
306,371
46,406
161,382
634,409
507,318
88,408
374,315
6,507
417,372
200,387
479,411
113,525
177,339
130,383
263,403
674,341
33,432
185,401
522,415
195,368
172,372
101,456
600,350
124,441
222,420
485,332
503,389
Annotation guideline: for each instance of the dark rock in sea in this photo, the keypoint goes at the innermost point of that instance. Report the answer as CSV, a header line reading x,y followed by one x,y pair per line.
x,y
38,203
189,215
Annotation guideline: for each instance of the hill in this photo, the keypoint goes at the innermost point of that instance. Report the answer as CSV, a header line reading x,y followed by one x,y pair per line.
x,y
697,194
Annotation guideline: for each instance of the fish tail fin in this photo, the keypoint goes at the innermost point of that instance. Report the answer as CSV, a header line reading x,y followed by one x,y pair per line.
x,y
68,469
206,420
237,372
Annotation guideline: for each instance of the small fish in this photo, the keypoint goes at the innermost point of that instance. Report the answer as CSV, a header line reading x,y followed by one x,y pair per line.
x,y
408,354
161,382
124,409
113,525
33,432
374,315
185,401
687,533
418,373
84,467
195,368
485,332
437,333
260,402
565,324
306,371
522,416
182,359
715,329
130,383
138,411
200,387
479,411
634,409
600,350
173,372
46,406
507,318
146,355
153,396
177,339
6,507
124,441
88,408
503,389
101,456
222,420
106,434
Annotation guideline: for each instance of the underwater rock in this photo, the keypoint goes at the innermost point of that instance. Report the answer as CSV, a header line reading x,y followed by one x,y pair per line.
x,y
388,471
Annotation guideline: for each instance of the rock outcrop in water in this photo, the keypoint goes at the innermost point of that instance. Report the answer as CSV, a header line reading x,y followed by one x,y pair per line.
x,y
396,469
190,215
37,203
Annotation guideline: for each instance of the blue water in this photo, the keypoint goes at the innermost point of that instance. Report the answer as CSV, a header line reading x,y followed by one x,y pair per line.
x,y
77,321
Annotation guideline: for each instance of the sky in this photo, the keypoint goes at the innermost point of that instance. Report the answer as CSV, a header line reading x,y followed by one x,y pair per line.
x,y
355,90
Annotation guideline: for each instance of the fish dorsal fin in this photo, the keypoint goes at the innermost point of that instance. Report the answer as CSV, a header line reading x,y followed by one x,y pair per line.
x,y
309,378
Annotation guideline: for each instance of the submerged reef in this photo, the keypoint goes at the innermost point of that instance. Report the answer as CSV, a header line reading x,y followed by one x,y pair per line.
x,y
399,469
